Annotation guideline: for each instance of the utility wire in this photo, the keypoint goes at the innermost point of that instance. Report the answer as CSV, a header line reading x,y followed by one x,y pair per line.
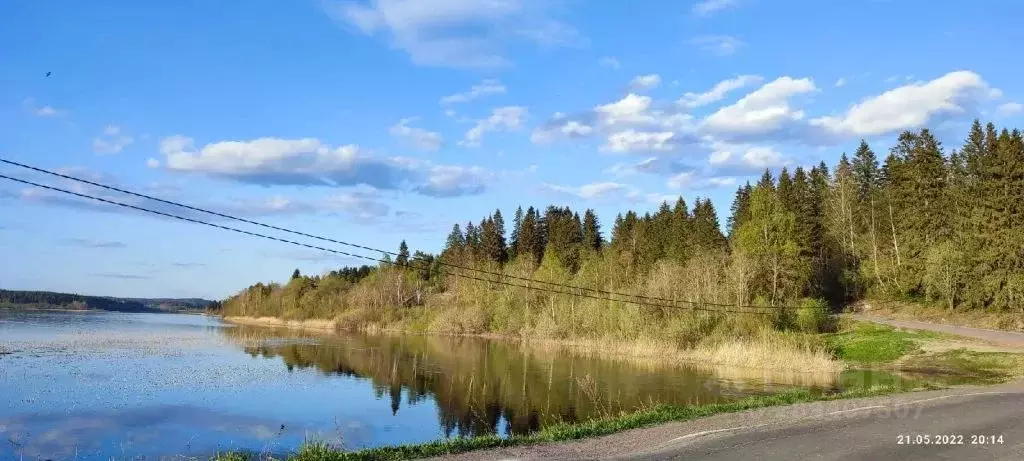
x,y
354,245
353,255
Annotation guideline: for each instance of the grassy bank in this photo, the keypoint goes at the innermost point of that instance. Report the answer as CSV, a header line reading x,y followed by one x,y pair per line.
x,y
926,355
563,432
766,349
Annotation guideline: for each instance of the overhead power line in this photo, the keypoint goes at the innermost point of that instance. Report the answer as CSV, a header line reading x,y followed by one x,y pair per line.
x,y
647,299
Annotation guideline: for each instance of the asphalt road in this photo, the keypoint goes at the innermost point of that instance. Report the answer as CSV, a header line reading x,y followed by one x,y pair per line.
x,y
967,423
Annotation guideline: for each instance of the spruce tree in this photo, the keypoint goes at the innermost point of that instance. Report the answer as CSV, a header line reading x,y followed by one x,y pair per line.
x,y
591,231
402,259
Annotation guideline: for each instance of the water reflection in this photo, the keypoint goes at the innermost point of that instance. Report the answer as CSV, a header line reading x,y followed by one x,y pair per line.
x,y
488,387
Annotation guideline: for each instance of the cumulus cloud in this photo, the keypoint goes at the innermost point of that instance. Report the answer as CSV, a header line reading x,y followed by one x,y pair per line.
x,y
762,111
709,7
305,161
621,120
452,180
42,111
910,106
630,109
744,158
718,92
840,82
560,127
112,141
455,33
719,45
609,62
486,87
501,119
645,82
639,141
418,137
363,203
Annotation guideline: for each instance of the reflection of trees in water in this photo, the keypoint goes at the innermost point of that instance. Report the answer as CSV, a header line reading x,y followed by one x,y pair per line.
x,y
479,384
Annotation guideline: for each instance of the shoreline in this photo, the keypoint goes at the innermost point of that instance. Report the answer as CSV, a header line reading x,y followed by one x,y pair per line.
x,y
757,353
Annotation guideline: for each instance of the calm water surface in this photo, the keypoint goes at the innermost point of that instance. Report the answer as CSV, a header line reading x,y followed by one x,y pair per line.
x,y
102,385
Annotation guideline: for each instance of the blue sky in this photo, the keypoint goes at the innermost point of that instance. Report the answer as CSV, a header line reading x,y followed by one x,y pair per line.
x,y
374,121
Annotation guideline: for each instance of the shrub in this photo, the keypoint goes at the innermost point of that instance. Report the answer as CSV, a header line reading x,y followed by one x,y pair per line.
x,y
813,316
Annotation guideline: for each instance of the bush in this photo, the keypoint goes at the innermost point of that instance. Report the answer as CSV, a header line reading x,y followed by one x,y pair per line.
x,y
813,316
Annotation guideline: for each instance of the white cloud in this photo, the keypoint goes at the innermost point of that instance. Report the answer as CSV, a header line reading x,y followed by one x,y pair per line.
x,y
629,109
762,111
422,139
718,92
744,158
609,62
639,141
152,163
308,161
841,82
690,180
645,82
909,106
112,141
720,45
455,180
681,180
708,7
722,181
484,88
503,118
1010,108
598,190
561,128
455,33
42,111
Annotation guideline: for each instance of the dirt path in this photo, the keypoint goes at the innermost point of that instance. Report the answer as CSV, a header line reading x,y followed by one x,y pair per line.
x,y
1006,339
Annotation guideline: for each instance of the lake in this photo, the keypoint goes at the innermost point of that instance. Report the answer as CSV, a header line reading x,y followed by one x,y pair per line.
x,y
87,385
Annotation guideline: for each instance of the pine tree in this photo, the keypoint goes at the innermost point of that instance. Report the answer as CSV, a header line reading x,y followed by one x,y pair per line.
x,y
473,242
784,190
591,231
402,259
704,226
455,246
296,274
530,242
517,224
739,210
680,245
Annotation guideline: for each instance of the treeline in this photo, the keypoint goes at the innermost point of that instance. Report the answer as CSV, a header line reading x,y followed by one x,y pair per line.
x,y
13,299
923,224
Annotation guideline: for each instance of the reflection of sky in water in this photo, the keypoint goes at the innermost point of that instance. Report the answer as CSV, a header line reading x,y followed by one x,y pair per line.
x,y
141,384
101,385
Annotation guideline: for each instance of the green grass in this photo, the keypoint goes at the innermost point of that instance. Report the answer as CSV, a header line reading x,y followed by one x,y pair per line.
x,y
867,343
963,366
562,432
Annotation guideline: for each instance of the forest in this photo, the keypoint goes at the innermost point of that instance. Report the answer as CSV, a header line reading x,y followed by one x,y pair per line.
x,y
923,224
49,300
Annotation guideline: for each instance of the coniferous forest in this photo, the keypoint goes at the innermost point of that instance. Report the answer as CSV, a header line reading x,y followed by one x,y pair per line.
x,y
922,222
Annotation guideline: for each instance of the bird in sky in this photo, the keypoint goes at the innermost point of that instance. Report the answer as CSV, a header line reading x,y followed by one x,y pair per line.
x,y
48,74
